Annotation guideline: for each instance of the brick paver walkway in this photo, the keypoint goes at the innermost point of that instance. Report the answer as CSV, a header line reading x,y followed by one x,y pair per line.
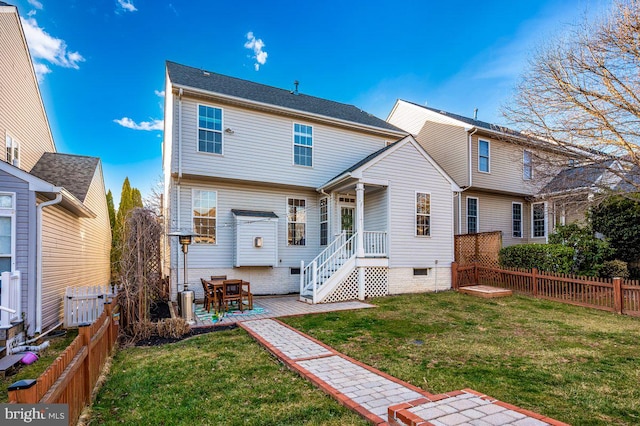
x,y
378,397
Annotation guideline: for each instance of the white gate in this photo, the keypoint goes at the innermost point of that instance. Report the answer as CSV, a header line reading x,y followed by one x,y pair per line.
x,y
83,305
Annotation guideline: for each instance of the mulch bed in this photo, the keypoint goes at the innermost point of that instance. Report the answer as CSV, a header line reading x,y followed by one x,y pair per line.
x,y
160,311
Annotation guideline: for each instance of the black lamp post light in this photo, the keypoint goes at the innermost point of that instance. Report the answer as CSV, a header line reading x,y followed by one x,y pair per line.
x,y
185,297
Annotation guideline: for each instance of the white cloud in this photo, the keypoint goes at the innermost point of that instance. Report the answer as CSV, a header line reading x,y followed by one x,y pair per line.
x,y
256,44
159,93
48,48
127,5
36,4
143,125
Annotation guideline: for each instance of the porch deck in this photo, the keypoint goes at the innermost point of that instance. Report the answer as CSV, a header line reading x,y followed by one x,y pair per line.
x,y
278,306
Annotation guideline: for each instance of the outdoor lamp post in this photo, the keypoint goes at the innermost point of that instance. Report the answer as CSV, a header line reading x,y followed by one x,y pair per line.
x,y
185,297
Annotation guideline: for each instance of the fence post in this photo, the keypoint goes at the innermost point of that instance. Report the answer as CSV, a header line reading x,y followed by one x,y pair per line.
x,y
534,282
84,330
476,273
454,275
617,295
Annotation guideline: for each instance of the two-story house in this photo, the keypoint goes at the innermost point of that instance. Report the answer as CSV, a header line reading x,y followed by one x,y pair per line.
x,y
296,193
496,169
54,225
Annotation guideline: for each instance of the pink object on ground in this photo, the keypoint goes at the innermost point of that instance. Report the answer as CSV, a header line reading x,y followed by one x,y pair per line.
x,y
29,358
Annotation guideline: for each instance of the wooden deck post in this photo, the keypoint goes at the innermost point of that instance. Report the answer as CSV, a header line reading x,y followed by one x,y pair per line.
x,y
454,276
618,302
534,282
84,330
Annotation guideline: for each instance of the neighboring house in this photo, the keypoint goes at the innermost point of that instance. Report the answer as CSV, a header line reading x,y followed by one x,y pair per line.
x,y
54,225
290,191
495,167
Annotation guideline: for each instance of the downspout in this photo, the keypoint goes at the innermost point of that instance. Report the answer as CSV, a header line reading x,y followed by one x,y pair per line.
x,y
180,133
39,208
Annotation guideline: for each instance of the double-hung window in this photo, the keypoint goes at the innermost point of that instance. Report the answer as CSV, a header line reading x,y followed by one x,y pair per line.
x,y
302,145
13,148
527,165
296,221
483,156
209,129
472,215
539,220
324,221
7,234
205,213
516,219
423,214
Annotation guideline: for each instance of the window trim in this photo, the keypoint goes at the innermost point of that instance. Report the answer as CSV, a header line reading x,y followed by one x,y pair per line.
x,y
415,214
545,219
525,166
488,156
293,145
193,197
513,220
11,213
320,221
477,216
306,207
209,130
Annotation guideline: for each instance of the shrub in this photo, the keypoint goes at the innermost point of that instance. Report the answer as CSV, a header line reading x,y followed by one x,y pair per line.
x,y
590,253
613,269
545,257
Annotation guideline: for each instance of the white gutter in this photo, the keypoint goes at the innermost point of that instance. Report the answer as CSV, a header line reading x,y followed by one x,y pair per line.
x,y
180,133
39,208
470,155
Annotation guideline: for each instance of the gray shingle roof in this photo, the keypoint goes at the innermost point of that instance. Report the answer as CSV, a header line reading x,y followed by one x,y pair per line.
x,y
212,82
72,172
577,177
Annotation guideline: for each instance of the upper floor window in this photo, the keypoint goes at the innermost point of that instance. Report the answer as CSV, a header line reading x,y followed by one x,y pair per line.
x,y
527,165
13,151
483,156
324,221
296,221
472,215
516,218
423,213
209,129
205,213
302,145
538,220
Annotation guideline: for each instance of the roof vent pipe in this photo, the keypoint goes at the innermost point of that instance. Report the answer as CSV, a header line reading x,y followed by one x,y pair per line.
x,y
475,114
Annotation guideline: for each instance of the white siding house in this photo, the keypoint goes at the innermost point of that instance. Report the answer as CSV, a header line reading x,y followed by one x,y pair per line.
x,y
280,185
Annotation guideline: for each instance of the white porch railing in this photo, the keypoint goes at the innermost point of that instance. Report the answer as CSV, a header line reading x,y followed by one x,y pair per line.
x,y
320,269
375,243
84,305
10,298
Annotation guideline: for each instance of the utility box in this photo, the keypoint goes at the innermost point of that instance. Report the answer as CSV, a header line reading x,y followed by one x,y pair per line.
x,y
256,238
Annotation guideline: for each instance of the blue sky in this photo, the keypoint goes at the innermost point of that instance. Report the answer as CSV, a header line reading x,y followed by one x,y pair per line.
x,y
101,62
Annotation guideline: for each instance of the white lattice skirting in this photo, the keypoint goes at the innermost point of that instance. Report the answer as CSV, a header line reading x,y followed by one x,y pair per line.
x,y
376,285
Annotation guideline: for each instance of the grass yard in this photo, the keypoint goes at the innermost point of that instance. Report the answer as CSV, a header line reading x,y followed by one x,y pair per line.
x,y
221,378
577,365
58,345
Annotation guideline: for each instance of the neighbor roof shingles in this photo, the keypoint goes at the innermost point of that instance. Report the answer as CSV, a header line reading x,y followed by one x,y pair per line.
x,y
73,172
212,82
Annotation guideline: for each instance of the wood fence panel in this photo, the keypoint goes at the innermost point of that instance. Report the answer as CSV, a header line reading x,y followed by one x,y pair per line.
x,y
73,375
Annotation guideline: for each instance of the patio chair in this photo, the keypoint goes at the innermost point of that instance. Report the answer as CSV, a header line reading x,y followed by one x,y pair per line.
x,y
232,292
210,295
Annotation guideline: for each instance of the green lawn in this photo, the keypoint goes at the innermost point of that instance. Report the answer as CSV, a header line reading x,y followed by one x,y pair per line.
x,y
577,365
221,378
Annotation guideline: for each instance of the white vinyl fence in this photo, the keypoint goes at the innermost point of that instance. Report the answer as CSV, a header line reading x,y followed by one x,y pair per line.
x,y
83,305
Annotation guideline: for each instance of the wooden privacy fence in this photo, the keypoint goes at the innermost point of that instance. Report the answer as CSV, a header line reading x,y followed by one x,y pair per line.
x,y
608,294
482,248
73,375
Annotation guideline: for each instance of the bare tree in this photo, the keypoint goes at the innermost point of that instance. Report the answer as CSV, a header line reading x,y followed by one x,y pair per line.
x,y
581,94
